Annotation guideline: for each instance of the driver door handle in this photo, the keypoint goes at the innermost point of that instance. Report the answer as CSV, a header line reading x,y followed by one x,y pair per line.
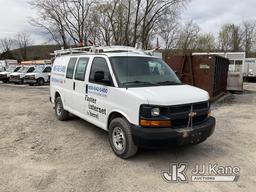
x,y
74,86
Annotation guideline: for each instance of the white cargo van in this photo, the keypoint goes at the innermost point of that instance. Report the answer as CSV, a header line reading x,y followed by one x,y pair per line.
x,y
137,98
5,75
18,77
40,76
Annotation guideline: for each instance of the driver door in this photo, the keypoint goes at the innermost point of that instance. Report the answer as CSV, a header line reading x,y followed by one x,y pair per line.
x,y
98,92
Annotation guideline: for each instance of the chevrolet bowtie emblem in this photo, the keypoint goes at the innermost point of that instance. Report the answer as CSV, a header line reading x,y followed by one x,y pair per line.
x,y
192,114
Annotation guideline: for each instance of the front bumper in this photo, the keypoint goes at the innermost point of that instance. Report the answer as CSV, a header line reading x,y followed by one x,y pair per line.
x,y
15,80
4,78
155,137
30,81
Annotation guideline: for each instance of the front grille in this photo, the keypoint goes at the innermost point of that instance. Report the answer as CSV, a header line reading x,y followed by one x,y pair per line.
x,y
179,115
29,78
15,77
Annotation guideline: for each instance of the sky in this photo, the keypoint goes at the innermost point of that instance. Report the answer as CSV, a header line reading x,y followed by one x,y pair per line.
x,y
210,15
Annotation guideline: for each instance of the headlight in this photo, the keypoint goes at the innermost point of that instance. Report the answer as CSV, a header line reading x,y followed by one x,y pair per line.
x,y
154,116
155,112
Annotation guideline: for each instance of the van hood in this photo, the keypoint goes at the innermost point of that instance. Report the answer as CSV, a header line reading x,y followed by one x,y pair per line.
x,y
170,95
29,74
16,73
4,73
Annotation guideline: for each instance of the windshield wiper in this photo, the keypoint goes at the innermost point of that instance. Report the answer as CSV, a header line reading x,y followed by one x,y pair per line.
x,y
168,83
140,82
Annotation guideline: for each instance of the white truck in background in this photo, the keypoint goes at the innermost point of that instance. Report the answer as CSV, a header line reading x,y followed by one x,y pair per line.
x,y
4,64
40,76
5,75
250,69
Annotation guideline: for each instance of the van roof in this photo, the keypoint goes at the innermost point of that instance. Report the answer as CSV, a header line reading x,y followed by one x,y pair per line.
x,y
109,51
122,54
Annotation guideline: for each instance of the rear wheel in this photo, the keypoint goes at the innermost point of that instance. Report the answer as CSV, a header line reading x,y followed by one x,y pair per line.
x,y
5,81
60,112
120,138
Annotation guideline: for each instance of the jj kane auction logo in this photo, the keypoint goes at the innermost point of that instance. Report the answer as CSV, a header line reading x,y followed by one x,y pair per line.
x,y
201,173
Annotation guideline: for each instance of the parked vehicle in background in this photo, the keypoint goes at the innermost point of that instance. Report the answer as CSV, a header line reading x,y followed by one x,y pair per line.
x,y
250,69
40,76
4,64
5,76
18,77
137,98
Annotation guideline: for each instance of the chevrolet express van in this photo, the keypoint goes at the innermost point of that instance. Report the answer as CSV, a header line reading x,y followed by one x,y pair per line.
x,y
40,76
5,76
136,98
18,77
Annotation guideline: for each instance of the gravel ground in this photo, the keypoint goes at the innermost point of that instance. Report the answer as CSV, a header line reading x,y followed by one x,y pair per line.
x,y
40,153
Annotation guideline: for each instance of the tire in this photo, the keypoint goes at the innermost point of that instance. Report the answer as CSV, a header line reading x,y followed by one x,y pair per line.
x,y
31,84
21,81
120,138
40,81
5,81
60,112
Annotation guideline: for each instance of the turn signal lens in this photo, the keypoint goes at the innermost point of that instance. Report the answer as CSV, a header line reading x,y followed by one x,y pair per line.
x,y
150,123
209,114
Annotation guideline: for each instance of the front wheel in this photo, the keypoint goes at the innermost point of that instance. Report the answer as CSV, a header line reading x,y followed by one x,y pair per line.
x,y
21,81
60,112
40,81
120,138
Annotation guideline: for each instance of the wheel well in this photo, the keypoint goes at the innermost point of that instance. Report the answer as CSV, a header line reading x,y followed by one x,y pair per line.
x,y
41,78
112,116
56,95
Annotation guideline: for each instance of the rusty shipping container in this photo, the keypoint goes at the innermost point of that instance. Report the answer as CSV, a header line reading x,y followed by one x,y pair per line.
x,y
208,72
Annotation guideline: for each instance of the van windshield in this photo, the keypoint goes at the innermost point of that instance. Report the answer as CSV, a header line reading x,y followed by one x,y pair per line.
x,y
142,72
23,70
10,69
39,70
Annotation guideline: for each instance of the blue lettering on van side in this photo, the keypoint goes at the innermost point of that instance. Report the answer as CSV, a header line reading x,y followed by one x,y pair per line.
x,y
56,81
59,68
98,90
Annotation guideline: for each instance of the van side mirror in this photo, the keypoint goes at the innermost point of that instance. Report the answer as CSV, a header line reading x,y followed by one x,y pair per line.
x,y
99,76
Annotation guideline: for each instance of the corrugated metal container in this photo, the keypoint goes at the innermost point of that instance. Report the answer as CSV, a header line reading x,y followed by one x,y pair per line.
x,y
208,72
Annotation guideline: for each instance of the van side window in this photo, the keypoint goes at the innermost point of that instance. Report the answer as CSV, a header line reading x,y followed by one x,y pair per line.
x,y
99,66
31,69
71,67
47,70
81,69
17,69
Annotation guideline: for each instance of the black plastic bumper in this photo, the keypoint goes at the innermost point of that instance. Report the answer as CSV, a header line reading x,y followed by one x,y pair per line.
x,y
156,137
5,78
15,80
26,81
